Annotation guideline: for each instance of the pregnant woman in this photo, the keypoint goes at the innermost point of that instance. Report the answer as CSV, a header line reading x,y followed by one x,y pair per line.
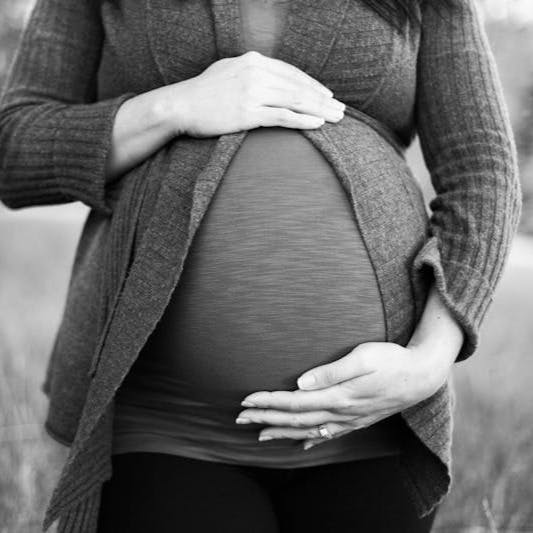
x,y
261,319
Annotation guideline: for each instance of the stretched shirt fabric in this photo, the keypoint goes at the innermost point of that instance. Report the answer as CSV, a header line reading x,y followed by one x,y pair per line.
x,y
78,62
276,282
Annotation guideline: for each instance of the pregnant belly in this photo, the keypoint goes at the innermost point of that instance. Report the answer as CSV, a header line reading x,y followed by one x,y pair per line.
x,y
277,279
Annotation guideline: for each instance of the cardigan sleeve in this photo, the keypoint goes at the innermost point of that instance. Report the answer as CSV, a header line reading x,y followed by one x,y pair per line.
x,y
54,136
468,145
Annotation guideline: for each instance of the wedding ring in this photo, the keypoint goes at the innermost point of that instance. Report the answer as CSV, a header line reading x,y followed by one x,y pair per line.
x,y
324,431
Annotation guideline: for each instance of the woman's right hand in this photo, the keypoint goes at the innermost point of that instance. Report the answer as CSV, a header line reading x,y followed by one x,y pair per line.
x,y
245,92
232,94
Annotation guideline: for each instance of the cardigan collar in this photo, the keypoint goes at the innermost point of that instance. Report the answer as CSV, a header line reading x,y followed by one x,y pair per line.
x,y
305,41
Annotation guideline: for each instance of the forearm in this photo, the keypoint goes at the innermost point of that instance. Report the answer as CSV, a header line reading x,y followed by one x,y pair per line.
x,y
55,134
437,339
469,150
143,124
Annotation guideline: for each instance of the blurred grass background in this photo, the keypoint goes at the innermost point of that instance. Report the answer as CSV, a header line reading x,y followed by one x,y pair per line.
x,y
493,452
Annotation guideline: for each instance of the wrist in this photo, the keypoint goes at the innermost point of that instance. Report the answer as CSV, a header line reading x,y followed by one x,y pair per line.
x,y
433,359
431,366
438,331
168,110
435,343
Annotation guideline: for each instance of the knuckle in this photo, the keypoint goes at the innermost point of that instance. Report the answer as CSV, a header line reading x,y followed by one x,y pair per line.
x,y
295,405
263,413
252,56
343,403
331,374
219,64
315,433
366,362
322,101
297,100
295,420
341,400
262,120
284,116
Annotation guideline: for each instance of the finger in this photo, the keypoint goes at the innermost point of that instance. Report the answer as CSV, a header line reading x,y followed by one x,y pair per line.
x,y
332,398
309,443
284,418
286,118
283,88
290,72
278,101
282,432
347,367
302,101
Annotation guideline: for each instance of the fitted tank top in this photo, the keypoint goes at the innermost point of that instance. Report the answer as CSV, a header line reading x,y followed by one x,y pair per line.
x,y
277,281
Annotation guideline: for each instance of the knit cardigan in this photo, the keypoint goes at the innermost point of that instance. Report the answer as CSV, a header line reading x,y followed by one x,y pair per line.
x,y
75,65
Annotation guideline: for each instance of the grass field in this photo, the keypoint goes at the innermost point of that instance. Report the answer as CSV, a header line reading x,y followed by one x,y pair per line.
x,y
493,470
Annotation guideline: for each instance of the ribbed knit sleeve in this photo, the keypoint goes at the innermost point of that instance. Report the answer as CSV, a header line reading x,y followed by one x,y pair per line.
x,y
54,136
469,149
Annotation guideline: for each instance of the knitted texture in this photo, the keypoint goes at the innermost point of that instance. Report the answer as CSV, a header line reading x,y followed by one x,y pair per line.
x,y
77,62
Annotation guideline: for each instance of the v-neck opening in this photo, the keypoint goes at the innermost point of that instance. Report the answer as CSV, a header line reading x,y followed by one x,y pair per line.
x,y
279,43
228,28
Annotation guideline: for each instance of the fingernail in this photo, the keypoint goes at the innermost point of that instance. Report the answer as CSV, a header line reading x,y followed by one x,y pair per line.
x,y
247,403
240,420
265,437
338,105
307,381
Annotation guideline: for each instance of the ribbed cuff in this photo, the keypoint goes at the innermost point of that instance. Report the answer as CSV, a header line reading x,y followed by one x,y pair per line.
x,y
466,294
82,141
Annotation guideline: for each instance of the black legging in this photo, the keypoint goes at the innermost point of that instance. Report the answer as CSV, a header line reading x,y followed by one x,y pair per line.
x,y
160,493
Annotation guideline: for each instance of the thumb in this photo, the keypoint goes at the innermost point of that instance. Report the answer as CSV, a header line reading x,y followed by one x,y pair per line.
x,y
322,376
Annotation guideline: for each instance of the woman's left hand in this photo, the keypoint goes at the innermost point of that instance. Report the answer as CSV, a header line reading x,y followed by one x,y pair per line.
x,y
375,380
